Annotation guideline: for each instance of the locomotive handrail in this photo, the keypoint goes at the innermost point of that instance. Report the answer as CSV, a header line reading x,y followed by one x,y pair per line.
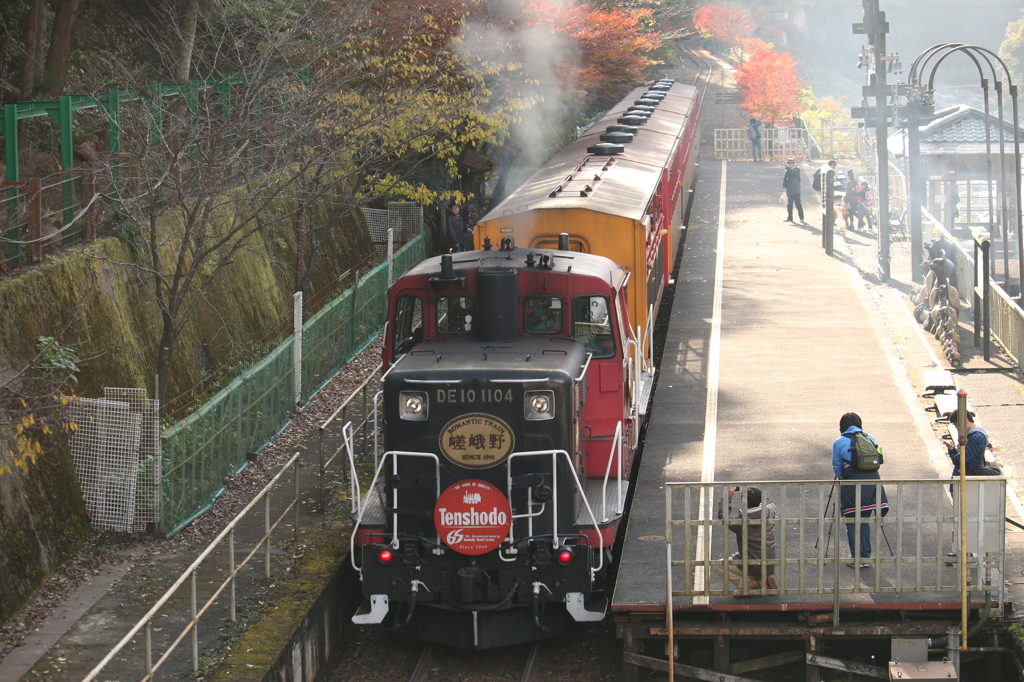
x,y
354,491
554,486
634,372
617,450
373,484
578,379
376,427
394,363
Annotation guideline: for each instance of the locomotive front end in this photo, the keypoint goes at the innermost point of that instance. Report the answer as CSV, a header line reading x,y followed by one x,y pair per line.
x,y
474,538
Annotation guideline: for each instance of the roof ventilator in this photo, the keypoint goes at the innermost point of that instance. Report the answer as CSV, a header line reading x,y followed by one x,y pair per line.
x,y
616,137
632,120
606,149
632,130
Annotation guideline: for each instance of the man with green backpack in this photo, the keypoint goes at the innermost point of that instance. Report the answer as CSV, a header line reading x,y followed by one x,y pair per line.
x,y
857,456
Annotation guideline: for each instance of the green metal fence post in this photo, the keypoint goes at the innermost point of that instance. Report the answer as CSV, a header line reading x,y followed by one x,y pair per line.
x,y
67,163
11,142
112,108
156,109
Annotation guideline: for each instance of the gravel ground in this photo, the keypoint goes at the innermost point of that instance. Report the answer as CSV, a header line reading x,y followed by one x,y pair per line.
x,y
108,548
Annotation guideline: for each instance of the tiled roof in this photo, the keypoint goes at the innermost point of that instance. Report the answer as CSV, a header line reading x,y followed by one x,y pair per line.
x,y
963,124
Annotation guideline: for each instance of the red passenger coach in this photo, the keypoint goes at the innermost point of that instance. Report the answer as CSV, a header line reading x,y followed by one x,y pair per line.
x,y
516,383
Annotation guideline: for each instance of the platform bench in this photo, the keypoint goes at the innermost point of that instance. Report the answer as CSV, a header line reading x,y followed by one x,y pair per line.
x,y
938,381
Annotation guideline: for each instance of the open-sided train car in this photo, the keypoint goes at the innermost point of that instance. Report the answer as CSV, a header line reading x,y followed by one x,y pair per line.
x,y
619,191
515,386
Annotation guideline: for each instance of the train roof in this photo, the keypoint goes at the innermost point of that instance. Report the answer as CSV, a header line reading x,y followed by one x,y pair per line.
x,y
619,185
586,264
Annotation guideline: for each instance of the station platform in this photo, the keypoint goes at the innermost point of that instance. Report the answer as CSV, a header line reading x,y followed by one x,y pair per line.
x,y
770,341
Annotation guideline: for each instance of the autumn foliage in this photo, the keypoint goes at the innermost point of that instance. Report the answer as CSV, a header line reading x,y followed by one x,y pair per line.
x,y
769,84
724,25
607,50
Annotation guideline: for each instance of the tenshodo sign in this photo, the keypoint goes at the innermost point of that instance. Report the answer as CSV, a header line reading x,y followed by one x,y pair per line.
x,y
472,517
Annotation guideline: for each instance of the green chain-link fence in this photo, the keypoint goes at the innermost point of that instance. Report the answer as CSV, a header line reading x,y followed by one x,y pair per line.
x,y
214,441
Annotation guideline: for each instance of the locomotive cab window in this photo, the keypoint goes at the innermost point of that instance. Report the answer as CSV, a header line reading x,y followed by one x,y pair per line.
x,y
542,314
592,325
408,323
454,314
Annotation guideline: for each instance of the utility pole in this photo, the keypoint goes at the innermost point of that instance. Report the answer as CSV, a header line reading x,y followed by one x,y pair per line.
x,y
875,27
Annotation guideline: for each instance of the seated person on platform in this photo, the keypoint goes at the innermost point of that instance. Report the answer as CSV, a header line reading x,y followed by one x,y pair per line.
x,y
756,510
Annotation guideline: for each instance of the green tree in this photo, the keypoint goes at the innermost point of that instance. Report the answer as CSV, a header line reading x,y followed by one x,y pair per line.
x,y
1012,50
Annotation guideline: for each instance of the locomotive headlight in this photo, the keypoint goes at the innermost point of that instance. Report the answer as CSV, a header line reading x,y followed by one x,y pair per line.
x,y
539,405
413,406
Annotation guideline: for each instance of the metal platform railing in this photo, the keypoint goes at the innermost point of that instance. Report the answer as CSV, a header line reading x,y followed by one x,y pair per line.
x,y
914,544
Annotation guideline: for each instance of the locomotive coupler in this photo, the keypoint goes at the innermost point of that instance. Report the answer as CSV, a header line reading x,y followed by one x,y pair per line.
x,y
537,605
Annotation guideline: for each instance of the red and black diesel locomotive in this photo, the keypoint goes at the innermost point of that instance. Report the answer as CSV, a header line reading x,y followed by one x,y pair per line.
x,y
514,391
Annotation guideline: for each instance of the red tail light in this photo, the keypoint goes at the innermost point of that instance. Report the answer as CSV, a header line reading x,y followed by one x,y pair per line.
x,y
385,556
565,557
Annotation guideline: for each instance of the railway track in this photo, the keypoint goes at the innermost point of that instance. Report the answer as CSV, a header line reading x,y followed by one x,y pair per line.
x,y
422,671
704,69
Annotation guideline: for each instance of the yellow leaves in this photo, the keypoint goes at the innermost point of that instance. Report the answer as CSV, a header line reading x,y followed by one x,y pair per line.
x,y
72,426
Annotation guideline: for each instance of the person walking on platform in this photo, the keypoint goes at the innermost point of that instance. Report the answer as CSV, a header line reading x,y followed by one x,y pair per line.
x,y
791,184
758,508
843,466
754,135
974,451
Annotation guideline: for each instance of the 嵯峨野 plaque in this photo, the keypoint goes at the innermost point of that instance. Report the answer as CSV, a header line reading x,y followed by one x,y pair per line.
x,y
476,441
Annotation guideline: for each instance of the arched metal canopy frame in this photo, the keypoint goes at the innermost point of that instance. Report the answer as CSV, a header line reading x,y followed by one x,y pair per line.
x,y
941,52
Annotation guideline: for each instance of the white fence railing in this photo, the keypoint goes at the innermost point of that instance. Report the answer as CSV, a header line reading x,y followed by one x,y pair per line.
x,y
1005,315
191,576
914,545
777,144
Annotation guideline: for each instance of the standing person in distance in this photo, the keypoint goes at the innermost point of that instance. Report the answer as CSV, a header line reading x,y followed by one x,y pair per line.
x,y
754,135
458,235
844,469
974,451
791,183
849,208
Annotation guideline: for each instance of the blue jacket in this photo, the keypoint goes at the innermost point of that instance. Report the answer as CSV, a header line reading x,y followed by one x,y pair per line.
x,y
872,497
842,457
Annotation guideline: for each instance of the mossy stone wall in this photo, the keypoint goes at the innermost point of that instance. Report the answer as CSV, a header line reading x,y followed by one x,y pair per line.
x,y
89,299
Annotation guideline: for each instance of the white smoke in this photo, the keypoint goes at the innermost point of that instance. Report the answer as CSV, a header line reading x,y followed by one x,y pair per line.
x,y
540,51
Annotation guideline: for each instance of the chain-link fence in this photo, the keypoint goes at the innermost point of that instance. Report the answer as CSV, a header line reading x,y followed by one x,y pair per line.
x,y
405,218
214,441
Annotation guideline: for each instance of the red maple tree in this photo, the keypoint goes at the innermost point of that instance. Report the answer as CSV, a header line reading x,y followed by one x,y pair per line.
x,y
608,49
721,24
769,84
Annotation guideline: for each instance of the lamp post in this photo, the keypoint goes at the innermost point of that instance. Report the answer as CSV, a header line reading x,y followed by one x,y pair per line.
x,y
879,64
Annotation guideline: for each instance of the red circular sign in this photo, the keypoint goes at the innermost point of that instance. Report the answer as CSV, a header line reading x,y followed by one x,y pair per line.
x,y
472,517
